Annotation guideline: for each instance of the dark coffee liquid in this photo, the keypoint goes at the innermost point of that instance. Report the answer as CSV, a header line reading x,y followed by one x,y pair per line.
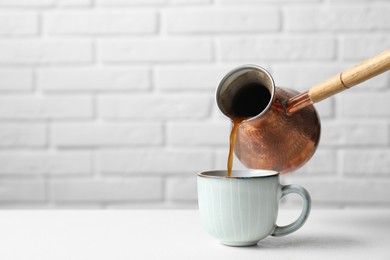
x,y
250,100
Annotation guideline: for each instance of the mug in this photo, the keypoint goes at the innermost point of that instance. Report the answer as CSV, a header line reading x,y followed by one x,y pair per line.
x,y
242,209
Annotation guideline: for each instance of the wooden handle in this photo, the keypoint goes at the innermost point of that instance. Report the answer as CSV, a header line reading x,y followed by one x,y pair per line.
x,y
351,77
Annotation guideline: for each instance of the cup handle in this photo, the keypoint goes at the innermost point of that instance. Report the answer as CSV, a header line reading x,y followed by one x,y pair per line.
x,y
285,230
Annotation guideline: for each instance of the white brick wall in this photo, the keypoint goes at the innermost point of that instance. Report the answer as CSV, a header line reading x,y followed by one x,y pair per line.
x,y
154,161
106,190
152,106
33,107
23,135
221,20
18,24
90,79
98,22
153,50
114,134
44,52
110,103
337,18
45,163
15,79
277,48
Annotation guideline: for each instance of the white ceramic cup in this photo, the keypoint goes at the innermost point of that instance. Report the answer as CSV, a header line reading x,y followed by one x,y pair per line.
x,y
242,209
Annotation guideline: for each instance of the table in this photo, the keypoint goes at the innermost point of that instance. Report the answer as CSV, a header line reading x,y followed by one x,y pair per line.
x,y
177,234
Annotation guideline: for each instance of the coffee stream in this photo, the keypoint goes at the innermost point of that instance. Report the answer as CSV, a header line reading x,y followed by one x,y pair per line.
x,y
233,134
249,101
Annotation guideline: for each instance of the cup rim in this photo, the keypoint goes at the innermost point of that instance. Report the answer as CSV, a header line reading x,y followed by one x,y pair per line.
x,y
238,174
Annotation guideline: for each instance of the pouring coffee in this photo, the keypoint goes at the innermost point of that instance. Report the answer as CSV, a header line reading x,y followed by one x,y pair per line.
x,y
278,128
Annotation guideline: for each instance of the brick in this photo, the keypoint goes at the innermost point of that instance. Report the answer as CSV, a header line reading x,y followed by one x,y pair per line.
x,y
18,24
22,191
355,1
44,3
22,135
199,133
16,79
100,22
250,49
211,20
154,107
155,50
89,134
343,191
30,107
337,18
356,104
181,189
149,2
324,161
45,162
71,3
366,162
129,2
154,161
354,133
189,2
175,78
363,46
88,79
325,108
303,76
29,52
25,205
106,190
266,1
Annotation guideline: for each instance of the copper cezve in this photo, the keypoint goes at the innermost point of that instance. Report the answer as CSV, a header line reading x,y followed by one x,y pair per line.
x,y
278,128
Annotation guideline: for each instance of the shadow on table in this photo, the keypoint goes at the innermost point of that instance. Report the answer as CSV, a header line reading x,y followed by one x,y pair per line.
x,y
308,242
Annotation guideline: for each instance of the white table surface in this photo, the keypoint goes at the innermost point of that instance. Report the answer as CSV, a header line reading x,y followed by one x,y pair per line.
x,y
177,234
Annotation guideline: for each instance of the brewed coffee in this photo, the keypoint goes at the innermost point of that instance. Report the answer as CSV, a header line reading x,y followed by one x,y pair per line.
x,y
250,100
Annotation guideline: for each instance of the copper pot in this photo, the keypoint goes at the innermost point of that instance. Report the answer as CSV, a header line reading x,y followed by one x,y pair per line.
x,y
281,128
